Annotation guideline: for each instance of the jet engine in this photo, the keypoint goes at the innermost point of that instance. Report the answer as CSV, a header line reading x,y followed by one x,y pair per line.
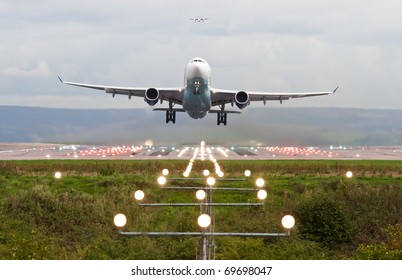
x,y
151,96
242,99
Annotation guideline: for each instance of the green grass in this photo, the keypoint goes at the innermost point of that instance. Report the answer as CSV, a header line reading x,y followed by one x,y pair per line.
x,y
72,218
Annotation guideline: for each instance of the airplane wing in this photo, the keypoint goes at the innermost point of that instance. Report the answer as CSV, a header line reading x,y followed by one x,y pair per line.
x,y
173,94
220,96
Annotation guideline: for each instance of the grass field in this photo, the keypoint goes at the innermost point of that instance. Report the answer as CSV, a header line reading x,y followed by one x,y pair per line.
x,y
72,218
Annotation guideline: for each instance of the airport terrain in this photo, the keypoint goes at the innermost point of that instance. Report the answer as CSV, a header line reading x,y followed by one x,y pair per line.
x,y
43,217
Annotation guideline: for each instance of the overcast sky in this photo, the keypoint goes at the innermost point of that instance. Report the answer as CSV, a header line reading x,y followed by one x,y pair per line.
x,y
277,45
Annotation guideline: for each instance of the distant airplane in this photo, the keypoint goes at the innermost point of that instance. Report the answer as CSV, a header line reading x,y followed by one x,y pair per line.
x,y
197,97
199,19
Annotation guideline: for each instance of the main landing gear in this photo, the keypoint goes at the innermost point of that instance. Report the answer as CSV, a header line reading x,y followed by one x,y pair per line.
x,y
222,118
170,116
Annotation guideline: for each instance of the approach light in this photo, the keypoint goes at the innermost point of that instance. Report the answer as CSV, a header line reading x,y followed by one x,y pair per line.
x,y
260,182
204,220
205,172
200,194
165,172
139,195
211,181
349,174
57,175
120,220
288,222
247,173
185,174
262,194
161,180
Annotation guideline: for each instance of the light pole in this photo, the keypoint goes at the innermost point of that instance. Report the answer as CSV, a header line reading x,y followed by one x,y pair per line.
x,y
204,221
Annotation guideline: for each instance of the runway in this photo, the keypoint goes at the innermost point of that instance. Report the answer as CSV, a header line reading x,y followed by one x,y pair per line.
x,y
42,151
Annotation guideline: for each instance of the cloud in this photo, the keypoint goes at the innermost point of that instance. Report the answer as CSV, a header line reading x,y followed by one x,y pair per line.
x,y
280,45
41,70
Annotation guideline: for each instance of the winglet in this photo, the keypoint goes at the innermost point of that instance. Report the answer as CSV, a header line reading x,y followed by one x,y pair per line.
x,y
335,89
60,79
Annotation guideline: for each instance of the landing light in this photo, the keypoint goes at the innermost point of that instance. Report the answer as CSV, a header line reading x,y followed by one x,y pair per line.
x,y
349,174
262,194
288,222
139,195
211,181
247,173
204,220
165,172
260,182
161,180
200,194
57,175
120,220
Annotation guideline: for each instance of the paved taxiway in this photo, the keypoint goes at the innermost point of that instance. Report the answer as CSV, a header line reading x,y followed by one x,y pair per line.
x,y
35,151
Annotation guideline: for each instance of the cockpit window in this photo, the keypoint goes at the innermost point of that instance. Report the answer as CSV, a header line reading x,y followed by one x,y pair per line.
x,y
198,60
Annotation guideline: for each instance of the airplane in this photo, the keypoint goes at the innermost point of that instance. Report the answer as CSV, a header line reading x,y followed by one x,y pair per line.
x,y
197,97
199,19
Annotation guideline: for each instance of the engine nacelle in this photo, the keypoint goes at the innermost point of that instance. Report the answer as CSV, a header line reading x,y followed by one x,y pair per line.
x,y
241,99
151,96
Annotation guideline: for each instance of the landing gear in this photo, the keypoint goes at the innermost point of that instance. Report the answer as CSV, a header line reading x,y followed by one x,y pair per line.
x,y
222,118
222,115
170,116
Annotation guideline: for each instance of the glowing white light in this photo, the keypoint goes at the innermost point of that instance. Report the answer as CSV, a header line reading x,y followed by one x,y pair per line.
x,y
120,220
183,151
262,194
223,152
139,195
57,175
200,194
204,220
260,182
211,181
288,221
161,180
205,172
220,174
247,173
349,174
165,172
185,174
47,156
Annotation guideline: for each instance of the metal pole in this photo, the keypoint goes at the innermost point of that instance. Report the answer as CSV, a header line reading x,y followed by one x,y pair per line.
x,y
212,225
203,241
208,205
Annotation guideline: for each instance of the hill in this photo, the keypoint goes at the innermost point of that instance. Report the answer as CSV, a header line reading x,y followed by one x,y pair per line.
x,y
267,126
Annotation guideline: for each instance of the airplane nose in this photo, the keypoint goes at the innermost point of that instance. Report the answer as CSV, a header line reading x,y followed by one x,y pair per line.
x,y
195,71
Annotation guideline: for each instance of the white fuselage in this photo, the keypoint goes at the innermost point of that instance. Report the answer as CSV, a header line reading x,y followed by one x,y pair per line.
x,y
197,96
